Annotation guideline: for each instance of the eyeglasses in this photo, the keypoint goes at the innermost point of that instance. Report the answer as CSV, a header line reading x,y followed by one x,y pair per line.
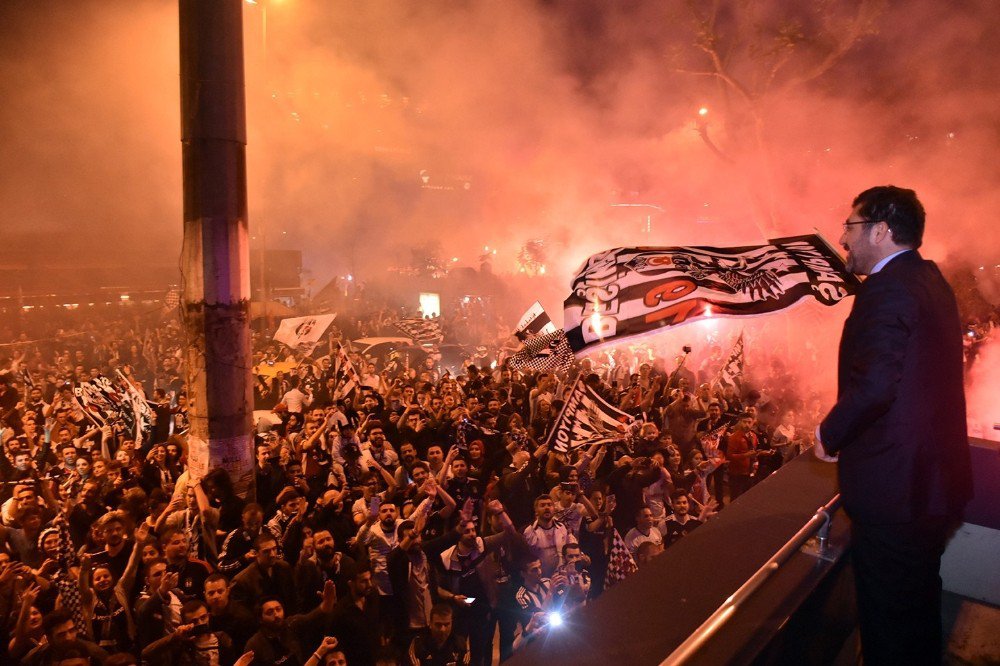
x,y
851,224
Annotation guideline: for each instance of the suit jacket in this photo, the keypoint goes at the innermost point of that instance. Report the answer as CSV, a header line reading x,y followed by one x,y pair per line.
x,y
899,421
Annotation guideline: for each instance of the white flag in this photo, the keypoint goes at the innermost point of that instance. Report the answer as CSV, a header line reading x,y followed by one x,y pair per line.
x,y
303,333
533,323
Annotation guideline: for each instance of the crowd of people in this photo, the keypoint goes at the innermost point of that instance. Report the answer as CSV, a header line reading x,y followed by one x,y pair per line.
x,y
422,519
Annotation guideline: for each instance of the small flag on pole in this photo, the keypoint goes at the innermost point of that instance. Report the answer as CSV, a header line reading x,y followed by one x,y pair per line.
x,y
544,353
534,322
621,565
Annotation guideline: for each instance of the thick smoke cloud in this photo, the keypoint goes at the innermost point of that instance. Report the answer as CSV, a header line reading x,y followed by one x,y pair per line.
x,y
378,127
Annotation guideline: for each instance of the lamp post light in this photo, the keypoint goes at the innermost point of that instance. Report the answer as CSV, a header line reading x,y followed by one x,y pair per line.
x,y
649,217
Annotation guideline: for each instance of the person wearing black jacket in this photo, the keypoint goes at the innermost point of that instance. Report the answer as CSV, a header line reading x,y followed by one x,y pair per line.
x,y
899,427
289,641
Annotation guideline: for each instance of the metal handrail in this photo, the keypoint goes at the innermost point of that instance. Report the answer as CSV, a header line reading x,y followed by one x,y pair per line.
x,y
819,523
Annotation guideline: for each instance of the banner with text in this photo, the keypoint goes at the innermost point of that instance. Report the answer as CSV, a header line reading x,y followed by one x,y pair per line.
x,y
587,419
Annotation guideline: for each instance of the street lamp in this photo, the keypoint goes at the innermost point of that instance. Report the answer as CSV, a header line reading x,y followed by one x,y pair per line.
x,y
649,217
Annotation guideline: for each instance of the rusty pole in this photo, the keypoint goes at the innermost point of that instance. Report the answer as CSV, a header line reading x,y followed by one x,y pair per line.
x,y
215,257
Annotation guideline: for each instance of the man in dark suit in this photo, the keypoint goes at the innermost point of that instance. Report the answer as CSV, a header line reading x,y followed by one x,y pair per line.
x,y
898,427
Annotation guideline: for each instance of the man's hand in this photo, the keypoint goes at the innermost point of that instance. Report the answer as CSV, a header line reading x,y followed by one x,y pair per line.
x,y
328,645
708,509
30,594
142,533
329,598
308,548
12,570
245,660
467,509
48,568
182,631
168,583
821,452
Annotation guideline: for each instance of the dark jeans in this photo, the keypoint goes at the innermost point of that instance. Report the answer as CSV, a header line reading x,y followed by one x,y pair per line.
x,y
476,623
896,570
738,484
717,480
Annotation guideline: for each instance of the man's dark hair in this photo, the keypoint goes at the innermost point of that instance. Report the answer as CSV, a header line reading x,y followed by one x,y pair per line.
x,y
540,498
526,562
899,208
442,610
265,536
55,618
121,659
403,527
191,607
65,650
252,506
214,577
679,493
168,534
568,545
259,608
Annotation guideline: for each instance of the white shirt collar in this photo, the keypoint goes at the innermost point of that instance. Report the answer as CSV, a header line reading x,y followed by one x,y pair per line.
x,y
880,265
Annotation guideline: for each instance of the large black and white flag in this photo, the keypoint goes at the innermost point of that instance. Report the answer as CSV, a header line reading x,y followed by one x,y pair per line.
x,y
544,353
107,402
141,413
303,333
587,419
534,322
423,331
731,372
348,380
630,291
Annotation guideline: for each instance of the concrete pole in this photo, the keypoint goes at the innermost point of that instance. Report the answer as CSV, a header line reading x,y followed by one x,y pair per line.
x,y
215,262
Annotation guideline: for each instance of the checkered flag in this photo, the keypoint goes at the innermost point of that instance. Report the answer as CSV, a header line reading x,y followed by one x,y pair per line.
x,y
545,353
423,331
620,562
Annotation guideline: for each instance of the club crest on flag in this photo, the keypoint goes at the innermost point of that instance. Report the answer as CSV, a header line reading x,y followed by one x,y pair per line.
x,y
303,333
